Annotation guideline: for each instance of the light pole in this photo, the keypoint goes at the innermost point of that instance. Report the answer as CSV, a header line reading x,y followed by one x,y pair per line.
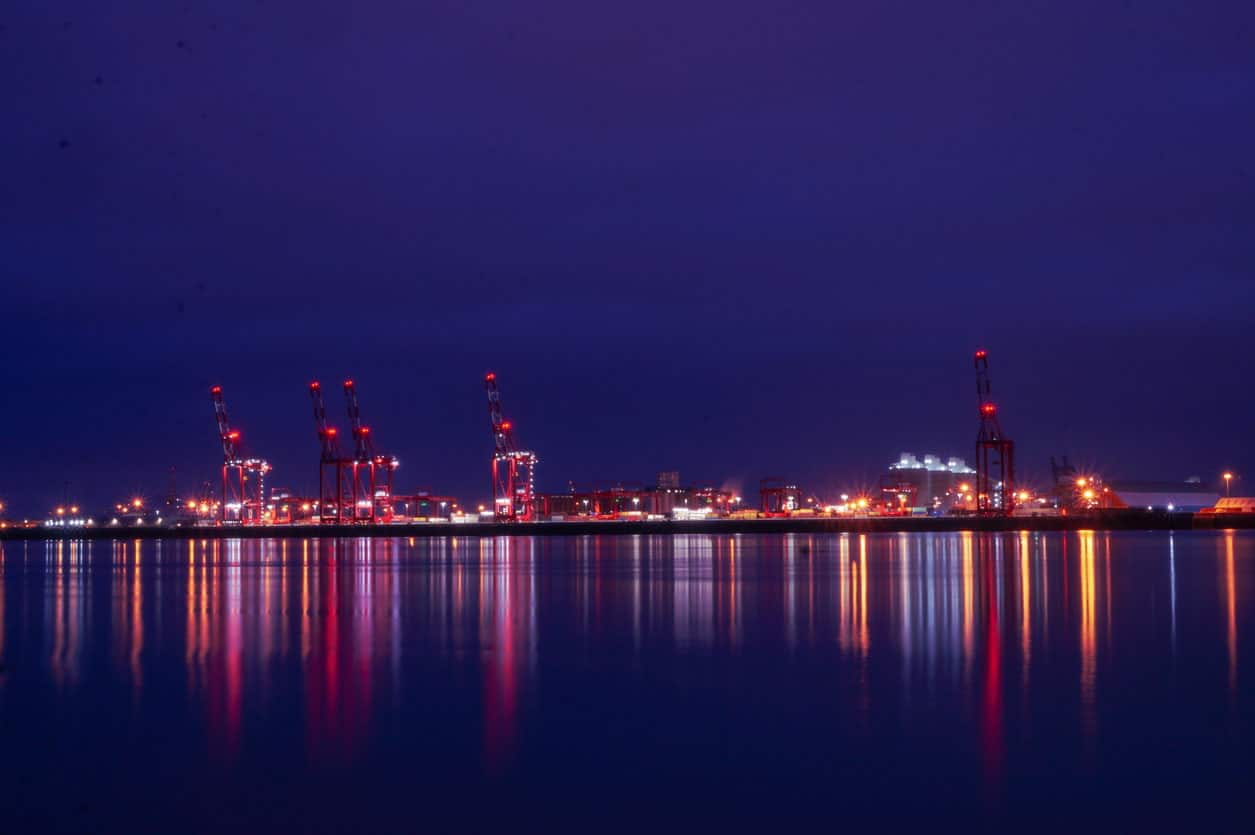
x,y
1228,480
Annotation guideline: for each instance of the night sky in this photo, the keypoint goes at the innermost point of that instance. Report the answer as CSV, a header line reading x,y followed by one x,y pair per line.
x,y
734,239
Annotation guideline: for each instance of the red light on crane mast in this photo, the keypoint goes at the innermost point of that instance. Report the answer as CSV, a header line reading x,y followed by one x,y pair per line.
x,y
235,436
216,390
988,408
489,377
980,355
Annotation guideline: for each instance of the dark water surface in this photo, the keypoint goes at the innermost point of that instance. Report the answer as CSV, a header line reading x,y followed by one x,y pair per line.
x,y
1074,681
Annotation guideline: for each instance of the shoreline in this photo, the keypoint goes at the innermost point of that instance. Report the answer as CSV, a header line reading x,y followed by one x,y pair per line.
x,y
1106,521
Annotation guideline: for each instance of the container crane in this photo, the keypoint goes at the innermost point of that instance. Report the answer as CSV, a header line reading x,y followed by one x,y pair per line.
x,y
243,479
333,469
513,493
371,474
995,453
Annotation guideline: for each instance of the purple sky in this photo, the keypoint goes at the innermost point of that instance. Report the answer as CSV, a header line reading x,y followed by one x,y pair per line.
x,y
734,239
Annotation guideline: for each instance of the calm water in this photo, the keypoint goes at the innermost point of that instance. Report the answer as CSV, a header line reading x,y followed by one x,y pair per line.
x,y
1038,681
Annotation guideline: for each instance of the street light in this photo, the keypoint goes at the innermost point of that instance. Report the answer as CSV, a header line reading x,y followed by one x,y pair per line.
x,y
1228,480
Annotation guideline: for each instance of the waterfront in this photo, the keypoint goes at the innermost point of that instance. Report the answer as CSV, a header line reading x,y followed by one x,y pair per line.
x,y
1052,680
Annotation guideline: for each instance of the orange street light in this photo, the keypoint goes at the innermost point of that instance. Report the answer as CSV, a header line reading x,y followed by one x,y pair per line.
x,y
1228,480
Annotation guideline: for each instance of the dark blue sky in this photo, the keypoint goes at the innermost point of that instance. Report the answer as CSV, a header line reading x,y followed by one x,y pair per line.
x,y
729,238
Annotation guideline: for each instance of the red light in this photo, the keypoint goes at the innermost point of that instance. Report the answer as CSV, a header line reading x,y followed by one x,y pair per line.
x,y
980,355
315,385
489,377
233,435
216,390
988,408
506,424
331,431
365,430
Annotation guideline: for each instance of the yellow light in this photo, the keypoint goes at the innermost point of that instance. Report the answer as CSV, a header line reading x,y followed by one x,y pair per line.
x,y
1080,482
137,502
1023,496
1227,477
1088,494
963,488
60,511
74,508
191,505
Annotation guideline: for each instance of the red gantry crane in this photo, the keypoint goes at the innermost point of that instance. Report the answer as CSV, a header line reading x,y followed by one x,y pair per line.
x,y
513,495
243,479
778,497
995,453
371,474
334,471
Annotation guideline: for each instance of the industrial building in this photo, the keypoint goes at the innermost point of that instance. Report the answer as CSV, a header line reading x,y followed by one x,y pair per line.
x,y
666,499
932,483
1190,495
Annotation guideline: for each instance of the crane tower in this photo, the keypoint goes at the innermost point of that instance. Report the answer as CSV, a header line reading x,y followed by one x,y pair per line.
x,y
243,479
513,494
334,470
370,473
995,453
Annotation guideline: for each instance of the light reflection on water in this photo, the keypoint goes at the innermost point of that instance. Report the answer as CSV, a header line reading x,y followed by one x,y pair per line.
x,y
346,635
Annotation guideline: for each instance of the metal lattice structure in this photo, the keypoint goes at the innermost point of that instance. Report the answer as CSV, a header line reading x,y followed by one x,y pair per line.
x,y
513,489
334,470
995,453
243,479
370,473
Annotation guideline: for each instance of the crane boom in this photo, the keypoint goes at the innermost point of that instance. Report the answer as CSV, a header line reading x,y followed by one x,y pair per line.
x,y
326,433
362,450
990,430
229,436
502,431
